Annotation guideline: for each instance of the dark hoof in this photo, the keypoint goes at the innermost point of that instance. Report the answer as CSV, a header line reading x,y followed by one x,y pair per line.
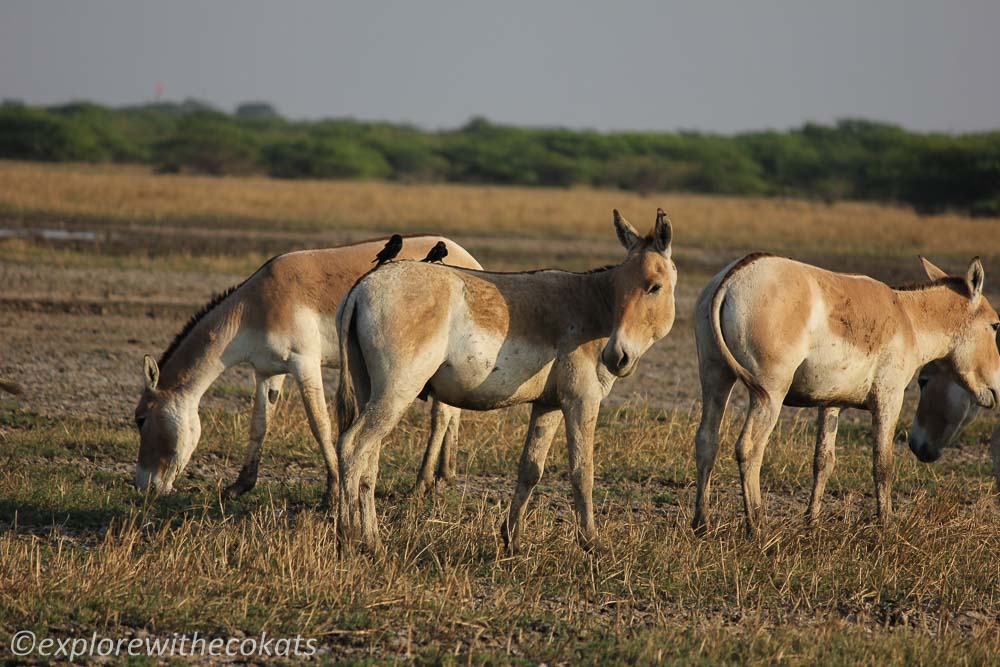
x,y
234,491
510,547
590,545
700,527
329,504
421,489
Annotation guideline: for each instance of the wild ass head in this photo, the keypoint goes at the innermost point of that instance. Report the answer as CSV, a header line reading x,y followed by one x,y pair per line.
x,y
944,409
643,294
169,429
974,359
973,366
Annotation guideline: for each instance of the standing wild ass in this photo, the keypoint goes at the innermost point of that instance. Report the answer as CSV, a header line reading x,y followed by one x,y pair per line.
x,y
481,341
281,320
945,408
799,335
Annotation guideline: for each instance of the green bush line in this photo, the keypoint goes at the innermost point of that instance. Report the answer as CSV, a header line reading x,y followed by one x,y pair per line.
x,y
853,159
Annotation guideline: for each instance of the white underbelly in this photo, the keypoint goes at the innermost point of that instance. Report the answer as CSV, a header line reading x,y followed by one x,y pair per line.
x,y
484,371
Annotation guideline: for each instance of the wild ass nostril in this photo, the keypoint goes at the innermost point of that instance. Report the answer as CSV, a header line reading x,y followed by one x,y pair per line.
x,y
623,360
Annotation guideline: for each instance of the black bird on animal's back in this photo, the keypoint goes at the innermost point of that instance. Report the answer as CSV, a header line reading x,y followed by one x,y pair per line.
x,y
389,252
437,253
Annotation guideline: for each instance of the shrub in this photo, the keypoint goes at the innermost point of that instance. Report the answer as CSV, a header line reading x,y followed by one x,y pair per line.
x,y
324,158
207,143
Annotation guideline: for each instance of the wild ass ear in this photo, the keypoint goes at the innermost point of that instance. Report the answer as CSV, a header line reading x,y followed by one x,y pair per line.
x,y
975,278
663,232
152,372
933,272
626,232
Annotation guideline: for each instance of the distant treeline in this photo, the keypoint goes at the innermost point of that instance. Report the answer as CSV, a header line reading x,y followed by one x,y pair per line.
x,y
854,159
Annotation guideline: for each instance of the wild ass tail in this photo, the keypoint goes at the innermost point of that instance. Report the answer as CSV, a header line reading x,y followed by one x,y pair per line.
x,y
347,398
716,315
11,387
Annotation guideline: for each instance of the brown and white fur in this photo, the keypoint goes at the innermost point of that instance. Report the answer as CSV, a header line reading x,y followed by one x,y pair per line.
x,y
799,335
481,341
282,321
945,408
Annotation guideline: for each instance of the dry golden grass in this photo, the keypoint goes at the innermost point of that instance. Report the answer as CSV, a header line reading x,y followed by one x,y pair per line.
x,y
132,194
86,553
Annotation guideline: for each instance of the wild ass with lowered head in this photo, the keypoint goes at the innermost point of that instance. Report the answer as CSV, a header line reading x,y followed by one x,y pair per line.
x,y
799,335
945,408
481,341
282,321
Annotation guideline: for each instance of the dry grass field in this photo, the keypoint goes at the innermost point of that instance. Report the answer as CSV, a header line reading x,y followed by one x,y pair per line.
x,y
99,265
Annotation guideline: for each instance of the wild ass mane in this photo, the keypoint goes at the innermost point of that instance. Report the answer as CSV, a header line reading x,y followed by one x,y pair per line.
x,y
202,312
954,283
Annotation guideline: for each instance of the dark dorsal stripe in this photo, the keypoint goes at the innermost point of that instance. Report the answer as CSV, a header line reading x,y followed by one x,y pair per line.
x,y
191,323
955,283
205,310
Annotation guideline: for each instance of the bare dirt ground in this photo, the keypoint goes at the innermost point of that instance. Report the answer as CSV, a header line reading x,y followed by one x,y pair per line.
x,y
76,334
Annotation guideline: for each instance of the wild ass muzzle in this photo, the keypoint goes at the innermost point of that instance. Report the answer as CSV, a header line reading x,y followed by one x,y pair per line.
x,y
945,408
282,321
798,335
480,341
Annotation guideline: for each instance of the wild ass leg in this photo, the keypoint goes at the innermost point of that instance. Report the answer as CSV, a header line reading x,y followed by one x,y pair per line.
x,y
357,448
824,458
716,388
884,417
369,519
581,419
265,399
761,418
310,379
543,425
441,416
446,462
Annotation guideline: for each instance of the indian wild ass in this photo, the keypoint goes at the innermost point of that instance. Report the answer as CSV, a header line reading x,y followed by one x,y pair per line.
x,y
799,335
945,408
282,321
481,341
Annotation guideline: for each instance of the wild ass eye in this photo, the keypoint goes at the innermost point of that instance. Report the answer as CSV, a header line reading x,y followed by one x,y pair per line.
x,y
653,289
922,382
139,421
996,326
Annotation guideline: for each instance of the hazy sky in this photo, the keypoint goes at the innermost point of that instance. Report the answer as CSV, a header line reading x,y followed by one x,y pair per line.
x,y
704,64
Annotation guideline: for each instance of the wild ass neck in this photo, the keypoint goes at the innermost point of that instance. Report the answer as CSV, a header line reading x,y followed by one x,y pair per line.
x,y
204,352
589,301
935,315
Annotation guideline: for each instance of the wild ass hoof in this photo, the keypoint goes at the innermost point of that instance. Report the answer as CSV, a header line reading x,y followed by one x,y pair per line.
x,y
329,503
421,489
699,526
511,543
590,544
237,489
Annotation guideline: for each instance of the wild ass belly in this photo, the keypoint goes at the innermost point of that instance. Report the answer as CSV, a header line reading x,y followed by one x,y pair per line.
x,y
482,371
835,375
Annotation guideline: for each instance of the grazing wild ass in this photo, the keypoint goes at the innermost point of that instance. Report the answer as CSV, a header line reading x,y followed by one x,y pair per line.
x,y
799,335
945,408
481,341
282,321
